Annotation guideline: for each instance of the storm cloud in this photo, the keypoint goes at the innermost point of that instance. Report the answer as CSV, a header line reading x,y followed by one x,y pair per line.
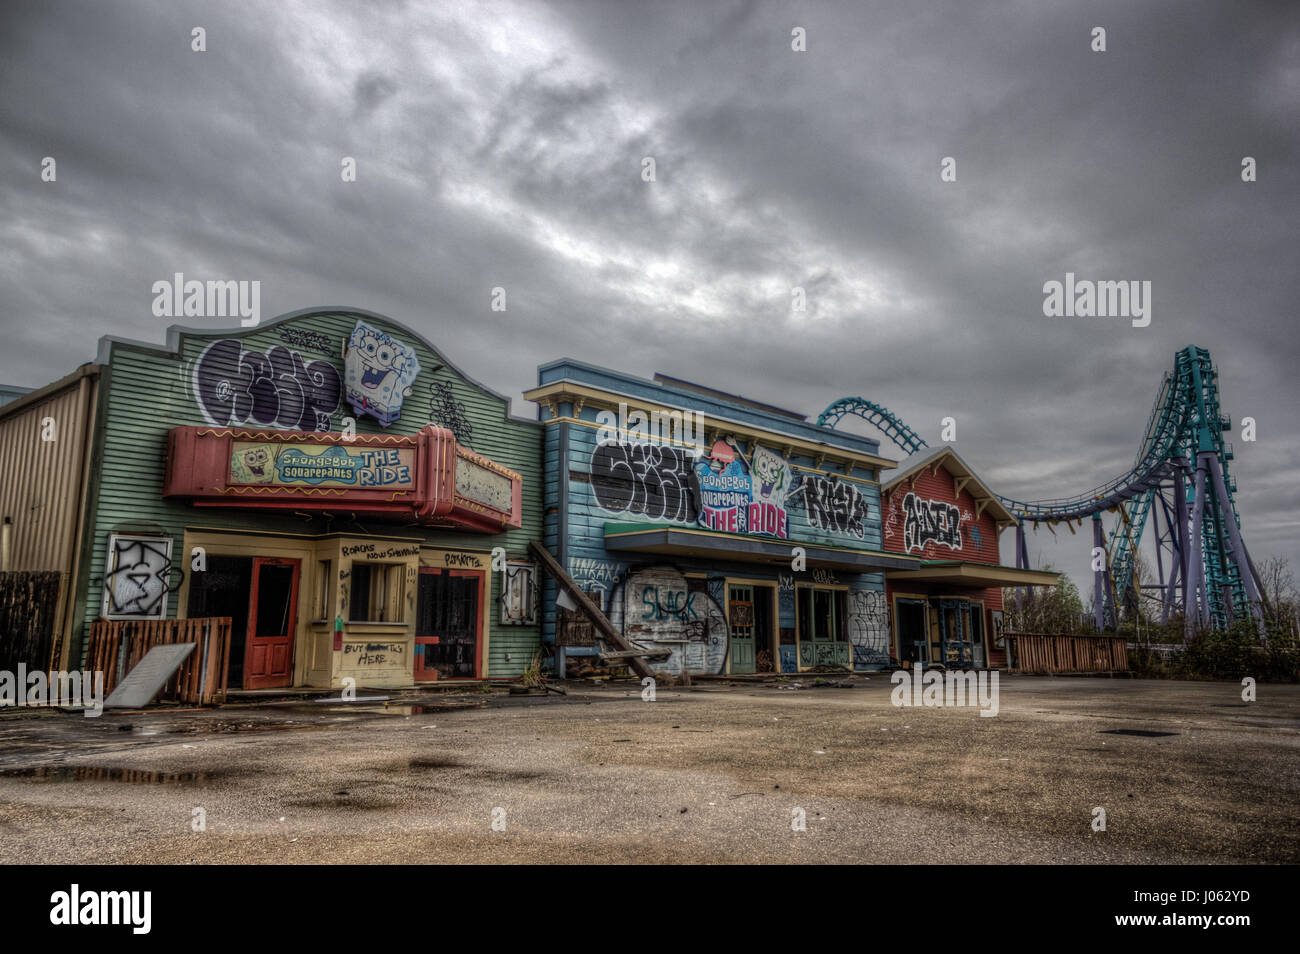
x,y
503,144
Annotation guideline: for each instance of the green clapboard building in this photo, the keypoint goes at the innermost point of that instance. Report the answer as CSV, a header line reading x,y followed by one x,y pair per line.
x,y
331,482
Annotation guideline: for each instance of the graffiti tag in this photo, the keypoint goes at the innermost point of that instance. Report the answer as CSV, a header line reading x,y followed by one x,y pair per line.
x,y
275,389
659,482
834,505
930,521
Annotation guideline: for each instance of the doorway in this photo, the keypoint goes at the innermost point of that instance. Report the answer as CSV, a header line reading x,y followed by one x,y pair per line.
x,y
955,647
740,623
260,595
272,618
981,656
449,607
764,642
912,642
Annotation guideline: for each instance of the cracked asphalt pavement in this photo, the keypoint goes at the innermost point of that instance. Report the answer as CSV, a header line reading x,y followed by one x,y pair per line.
x,y
712,773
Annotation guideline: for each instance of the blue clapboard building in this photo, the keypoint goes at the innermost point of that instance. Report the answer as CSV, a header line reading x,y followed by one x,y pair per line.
x,y
724,535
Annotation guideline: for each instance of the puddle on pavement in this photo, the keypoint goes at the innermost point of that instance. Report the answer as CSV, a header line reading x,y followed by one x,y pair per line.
x,y
403,710
473,772
417,765
221,727
1141,733
95,773
347,800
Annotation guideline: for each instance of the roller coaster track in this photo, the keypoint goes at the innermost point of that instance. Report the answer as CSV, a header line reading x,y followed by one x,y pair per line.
x,y
878,416
1180,473
1182,462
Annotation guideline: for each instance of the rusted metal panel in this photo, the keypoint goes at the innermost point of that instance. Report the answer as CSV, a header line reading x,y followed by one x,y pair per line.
x,y
46,438
43,442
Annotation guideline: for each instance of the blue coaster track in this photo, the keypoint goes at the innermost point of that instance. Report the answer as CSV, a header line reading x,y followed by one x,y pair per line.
x,y
1180,477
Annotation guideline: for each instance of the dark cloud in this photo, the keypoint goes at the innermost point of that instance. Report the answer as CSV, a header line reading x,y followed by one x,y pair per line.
x,y
502,144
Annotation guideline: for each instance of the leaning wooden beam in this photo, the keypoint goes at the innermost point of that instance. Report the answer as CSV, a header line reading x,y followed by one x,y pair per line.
x,y
588,608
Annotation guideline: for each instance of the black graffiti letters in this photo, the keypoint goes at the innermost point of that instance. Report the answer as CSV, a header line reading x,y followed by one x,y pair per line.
x,y
834,505
309,341
234,386
930,521
868,627
659,482
446,411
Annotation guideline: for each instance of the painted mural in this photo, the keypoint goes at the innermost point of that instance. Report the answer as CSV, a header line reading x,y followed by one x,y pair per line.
x,y
743,495
379,371
277,388
596,576
834,505
722,489
656,481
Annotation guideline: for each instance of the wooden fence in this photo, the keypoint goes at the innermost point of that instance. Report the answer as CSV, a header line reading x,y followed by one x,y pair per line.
x,y
29,605
1044,654
117,646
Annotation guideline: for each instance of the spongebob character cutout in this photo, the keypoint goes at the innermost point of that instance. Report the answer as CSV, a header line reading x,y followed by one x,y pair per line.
x,y
253,465
379,371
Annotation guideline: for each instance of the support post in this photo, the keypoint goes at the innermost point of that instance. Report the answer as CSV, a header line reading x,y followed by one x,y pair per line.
x,y
1244,569
1184,544
1098,576
1199,596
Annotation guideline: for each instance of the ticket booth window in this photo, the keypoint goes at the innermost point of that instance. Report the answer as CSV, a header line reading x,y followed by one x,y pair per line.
x,y
376,593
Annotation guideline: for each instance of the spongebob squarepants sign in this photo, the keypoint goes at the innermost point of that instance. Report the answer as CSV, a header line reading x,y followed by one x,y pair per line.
x,y
739,495
379,371
320,465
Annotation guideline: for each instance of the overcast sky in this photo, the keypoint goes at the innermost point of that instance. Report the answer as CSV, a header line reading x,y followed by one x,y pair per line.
x,y
502,144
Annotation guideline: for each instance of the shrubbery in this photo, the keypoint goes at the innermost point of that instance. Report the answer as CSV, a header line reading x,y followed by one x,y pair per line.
x,y
1218,654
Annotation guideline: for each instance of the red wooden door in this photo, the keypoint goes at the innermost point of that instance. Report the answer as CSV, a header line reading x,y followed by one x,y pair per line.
x,y
272,621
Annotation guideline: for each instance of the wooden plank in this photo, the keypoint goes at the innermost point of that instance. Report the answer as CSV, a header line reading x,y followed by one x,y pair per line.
x,y
588,608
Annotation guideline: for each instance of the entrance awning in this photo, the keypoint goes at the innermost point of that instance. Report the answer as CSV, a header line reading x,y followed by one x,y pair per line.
x,y
973,574
688,542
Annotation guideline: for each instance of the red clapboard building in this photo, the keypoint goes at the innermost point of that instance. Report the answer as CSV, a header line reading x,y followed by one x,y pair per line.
x,y
947,611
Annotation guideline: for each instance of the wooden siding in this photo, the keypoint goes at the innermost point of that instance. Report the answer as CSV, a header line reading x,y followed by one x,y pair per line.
x,y
979,536
151,391
585,557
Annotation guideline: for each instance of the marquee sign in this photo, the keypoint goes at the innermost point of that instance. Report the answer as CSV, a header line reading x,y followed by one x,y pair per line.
x,y
425,476
321,465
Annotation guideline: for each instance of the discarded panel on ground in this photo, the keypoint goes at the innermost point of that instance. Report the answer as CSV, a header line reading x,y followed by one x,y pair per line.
x,y
152,673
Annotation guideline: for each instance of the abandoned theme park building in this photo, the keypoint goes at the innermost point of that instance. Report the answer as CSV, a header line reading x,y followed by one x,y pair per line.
x,y
361,510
